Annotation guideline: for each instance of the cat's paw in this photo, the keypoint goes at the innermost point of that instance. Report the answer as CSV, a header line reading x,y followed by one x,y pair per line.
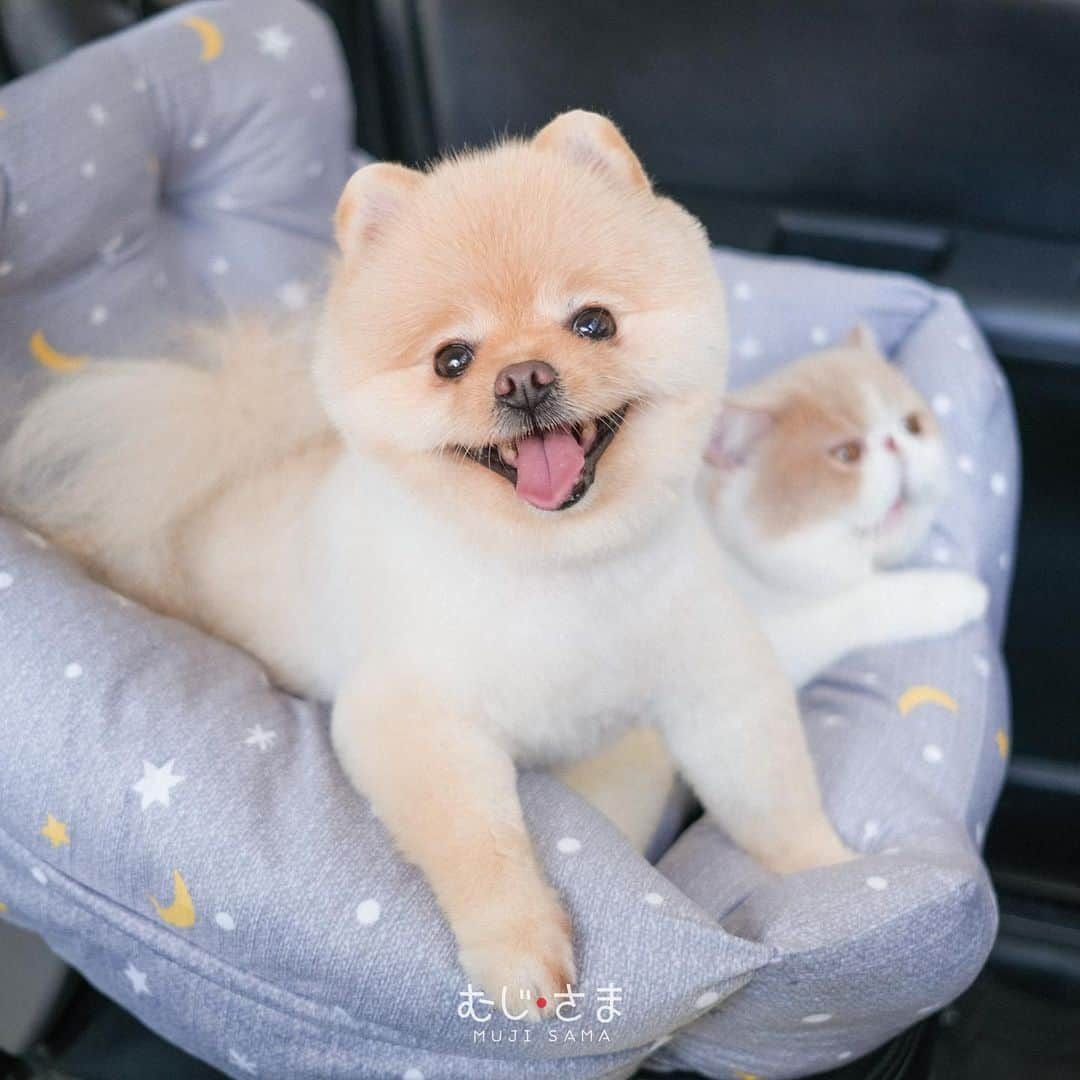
x,y
953,600
528,951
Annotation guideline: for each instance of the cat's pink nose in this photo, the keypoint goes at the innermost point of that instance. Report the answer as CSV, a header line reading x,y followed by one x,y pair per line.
x,y
890,444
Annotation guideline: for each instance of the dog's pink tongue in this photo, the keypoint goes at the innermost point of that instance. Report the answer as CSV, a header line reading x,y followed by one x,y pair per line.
x,y
548,467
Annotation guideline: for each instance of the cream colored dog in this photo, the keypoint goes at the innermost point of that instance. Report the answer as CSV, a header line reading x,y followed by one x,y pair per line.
x,y
491,554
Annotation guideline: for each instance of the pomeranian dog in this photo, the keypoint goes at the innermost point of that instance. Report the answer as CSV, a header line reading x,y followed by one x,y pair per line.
x,y
463,509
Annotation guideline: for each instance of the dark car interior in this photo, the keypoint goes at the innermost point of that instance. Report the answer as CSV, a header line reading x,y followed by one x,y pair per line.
x,y
937,139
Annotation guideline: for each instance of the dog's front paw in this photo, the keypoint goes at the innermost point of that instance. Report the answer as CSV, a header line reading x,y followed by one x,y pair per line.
x,y
955,600
525,949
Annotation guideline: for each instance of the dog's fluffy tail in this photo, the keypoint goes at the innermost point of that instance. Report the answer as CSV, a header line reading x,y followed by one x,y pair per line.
x,y
110,462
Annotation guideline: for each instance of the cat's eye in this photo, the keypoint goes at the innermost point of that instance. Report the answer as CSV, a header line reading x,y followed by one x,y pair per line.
x,y
913,424
847,453
452,360
594,323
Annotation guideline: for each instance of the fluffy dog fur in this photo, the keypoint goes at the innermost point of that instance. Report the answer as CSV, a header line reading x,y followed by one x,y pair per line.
x,y
369,560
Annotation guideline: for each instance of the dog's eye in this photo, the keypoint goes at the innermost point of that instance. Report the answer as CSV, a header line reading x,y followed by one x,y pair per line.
x,y
913,424
452,360
594,323
847,453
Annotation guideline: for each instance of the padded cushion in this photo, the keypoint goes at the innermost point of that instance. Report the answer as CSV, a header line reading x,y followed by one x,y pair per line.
x,y
179,830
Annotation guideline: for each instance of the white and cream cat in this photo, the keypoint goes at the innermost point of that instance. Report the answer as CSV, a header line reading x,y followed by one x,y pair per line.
x,y
818,482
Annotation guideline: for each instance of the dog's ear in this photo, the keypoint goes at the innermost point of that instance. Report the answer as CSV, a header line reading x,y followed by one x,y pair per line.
x,y
593,140
374,196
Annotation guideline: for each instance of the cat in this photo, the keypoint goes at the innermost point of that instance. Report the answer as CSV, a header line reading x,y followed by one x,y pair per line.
x,y
818,482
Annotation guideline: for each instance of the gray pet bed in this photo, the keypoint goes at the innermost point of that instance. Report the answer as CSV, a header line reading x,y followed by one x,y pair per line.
x,y
190,167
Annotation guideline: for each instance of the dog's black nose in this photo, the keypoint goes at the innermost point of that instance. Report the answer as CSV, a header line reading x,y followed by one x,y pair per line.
x,y
524,385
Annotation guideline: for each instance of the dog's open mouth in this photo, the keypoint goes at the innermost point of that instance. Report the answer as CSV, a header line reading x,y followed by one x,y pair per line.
x,y
553,469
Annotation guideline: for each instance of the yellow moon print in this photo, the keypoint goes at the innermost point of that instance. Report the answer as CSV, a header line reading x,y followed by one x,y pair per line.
x,y
915,696
181,912
53,359
209,35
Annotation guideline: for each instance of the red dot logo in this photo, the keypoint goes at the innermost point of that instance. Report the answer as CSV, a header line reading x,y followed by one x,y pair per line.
x,y
541,1002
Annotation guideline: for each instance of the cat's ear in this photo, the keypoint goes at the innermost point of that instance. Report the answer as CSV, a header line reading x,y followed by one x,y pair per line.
x,y
374,196
738,429
593,140
862,336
